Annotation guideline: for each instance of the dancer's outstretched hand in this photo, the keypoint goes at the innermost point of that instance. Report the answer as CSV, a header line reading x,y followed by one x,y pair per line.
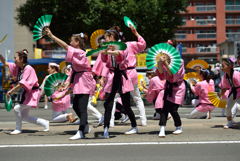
x,y
48,32
134,31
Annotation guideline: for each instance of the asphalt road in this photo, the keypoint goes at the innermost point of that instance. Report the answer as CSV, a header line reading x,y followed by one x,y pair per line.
x,y
202,139
196,152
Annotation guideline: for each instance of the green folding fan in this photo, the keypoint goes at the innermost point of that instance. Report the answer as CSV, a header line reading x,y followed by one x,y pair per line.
x,y
95,51
38,29
117,45
8,103
128,22
54,82
164,48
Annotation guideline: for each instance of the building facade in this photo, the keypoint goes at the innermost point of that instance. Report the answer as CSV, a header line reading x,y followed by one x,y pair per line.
x,y
18,37
207,23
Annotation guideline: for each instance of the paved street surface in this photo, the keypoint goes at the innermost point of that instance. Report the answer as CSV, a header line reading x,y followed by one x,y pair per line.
x,y
202,139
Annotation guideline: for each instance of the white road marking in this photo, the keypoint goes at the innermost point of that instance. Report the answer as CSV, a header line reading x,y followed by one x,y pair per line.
x,y
115,144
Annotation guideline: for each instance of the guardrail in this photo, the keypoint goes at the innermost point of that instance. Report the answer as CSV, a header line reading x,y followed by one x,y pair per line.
x,y
233,35
206,8
232,7
205,21
233,21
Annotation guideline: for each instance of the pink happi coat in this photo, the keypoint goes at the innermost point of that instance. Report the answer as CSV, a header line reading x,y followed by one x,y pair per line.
x,y
28,80
178,92
236,81
99,67
201,89
133,48
156,91
225,95
121,60
61,104
83,82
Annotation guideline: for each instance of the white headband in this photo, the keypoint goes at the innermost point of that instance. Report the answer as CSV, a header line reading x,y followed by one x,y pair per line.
x,y
81,35
54,64
25,51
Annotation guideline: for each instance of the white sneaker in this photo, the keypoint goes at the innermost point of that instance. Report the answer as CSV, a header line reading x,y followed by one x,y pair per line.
x,y
78,135
112,124
46,126
162,132
46,107
125,119
100,121
133,130
105,133
144,123
44,123
178,130
228,125
15,132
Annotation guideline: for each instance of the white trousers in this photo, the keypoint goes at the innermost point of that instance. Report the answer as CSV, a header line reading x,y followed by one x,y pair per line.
x,y
195,102
230,104
235,109
59,116
22,114
195,114
93,110
139,103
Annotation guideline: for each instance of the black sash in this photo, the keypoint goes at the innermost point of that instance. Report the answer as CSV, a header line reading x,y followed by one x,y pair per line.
x,y
23,94
169,88
117,79
74,74
130,68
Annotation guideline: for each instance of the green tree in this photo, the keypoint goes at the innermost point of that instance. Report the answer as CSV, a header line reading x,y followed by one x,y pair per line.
x,y
156,19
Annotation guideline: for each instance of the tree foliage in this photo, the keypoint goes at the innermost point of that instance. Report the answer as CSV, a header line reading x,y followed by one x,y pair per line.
x,y
156,19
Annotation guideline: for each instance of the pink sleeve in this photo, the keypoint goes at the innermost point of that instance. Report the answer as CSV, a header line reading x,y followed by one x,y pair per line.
x,y
29,78
151,94
137,46
141,44
196,89
71,51
13,69
211,87
179,75
224,83
98,66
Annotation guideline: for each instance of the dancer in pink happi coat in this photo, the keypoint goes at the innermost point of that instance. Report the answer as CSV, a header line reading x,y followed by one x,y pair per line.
x,y
117,81
82,82
201,89
61,100
230,81
173,96
27,80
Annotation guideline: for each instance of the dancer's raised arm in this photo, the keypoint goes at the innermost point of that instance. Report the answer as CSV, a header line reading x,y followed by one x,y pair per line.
x,y
56,39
